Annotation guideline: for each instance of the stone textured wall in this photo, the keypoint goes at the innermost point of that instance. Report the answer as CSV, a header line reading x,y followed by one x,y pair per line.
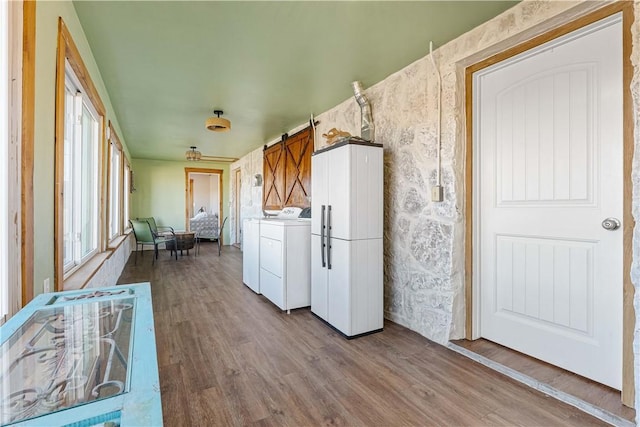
x,y
112,268
420,282
424,241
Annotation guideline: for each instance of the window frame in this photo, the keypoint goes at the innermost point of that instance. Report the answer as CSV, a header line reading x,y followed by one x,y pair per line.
x,y
114,144
81,108
68,52
126,194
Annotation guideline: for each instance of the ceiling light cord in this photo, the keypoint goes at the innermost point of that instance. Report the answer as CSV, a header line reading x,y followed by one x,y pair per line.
x,y
438,141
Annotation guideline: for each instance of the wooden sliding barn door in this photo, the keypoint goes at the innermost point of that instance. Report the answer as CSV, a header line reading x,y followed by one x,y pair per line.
x,y
273,177
287,172
297,175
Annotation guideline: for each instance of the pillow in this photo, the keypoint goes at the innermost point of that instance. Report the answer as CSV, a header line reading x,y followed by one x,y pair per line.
x,y
200,215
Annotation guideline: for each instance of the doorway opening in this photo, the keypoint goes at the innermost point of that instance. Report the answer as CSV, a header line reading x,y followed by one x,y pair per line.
x,y
204,193
236,209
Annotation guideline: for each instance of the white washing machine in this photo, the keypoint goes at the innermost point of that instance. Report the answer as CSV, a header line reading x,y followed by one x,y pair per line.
x,y
251,253
285,259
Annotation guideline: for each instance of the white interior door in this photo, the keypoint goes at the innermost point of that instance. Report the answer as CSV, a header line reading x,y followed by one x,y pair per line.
x,y
548,159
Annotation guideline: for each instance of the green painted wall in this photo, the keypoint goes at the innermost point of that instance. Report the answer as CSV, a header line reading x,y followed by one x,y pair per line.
x,y
160,191
47,13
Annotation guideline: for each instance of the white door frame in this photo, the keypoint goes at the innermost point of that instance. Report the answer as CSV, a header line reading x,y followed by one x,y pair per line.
x,y
236,206
471,293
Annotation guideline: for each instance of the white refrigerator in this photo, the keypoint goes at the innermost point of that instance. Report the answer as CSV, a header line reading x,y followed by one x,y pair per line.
x,y
346,237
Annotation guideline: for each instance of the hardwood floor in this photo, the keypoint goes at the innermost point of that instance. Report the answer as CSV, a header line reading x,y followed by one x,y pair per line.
x,y
229,357
583,388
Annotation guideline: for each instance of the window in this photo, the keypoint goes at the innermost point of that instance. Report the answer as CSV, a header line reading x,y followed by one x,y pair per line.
x,y
81,174
80,209
115,184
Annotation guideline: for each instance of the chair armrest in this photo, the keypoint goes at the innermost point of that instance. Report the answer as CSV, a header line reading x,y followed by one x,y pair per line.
x,y
165,234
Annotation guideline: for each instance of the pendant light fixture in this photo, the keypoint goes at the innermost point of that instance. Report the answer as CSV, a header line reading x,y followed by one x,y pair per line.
x,y
218,124
193,155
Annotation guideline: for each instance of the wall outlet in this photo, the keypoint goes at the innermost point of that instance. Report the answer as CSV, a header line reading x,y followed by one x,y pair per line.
x,y
437,193
47,285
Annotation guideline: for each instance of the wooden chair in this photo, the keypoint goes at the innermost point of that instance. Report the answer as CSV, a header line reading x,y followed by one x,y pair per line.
x,y
156,229
217,237
220,235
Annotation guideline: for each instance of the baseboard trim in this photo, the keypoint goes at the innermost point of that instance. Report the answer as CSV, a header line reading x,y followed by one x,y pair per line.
x,y
576,402
349,337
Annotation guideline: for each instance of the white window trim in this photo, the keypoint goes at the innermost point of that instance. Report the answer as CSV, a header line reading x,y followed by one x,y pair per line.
x,y
126,194
10,155
119,190
82,99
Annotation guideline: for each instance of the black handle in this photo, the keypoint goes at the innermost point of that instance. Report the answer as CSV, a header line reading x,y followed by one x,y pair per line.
x,y
329,238
322,244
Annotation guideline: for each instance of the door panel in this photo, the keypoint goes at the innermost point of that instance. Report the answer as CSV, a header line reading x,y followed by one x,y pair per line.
x,y
339,177
319,190
549,162
367,191
339,291
273,177
318,279
271,255
532,117
251,254
297,176
528,270
272,288
287,172
366,286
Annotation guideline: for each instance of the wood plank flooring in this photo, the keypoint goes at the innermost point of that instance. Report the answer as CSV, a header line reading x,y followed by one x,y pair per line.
x,y
229,357
597,394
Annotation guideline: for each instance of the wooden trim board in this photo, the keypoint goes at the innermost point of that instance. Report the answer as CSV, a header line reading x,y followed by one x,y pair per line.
x,y
626,8
629,315
67,49
58,221
28,126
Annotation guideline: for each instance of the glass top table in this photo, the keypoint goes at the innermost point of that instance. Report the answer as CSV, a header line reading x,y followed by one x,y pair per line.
x,y
81,358
65,356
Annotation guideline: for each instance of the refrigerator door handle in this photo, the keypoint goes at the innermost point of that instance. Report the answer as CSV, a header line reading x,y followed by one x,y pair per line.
x,y
322,228
329,237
